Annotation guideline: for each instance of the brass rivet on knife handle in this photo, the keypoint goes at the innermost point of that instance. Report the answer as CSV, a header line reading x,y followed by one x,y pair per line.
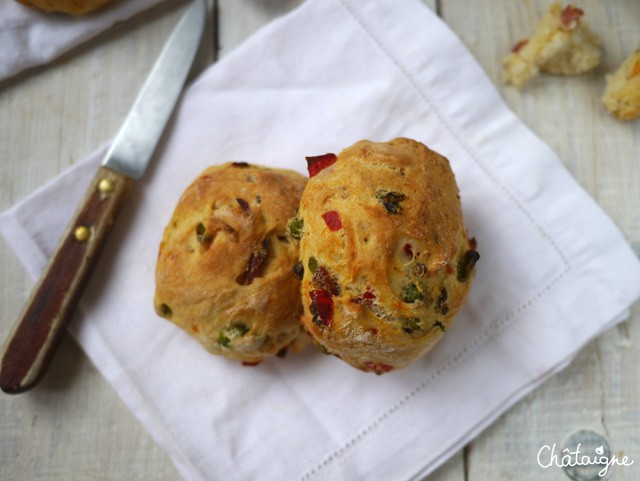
x,y
52,303
106,185
82,233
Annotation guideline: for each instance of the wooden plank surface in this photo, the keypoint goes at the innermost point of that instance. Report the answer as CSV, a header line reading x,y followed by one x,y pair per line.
x,y
75,427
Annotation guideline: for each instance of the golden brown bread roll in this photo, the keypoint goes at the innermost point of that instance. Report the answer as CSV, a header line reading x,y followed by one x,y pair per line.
x,y
386,259
622,94
224,270
72,7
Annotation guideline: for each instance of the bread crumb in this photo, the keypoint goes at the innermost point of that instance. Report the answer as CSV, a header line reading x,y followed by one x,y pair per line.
x,y
622,94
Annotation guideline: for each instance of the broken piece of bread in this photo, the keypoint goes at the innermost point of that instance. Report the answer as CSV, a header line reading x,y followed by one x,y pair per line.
x,y
561,45
622,93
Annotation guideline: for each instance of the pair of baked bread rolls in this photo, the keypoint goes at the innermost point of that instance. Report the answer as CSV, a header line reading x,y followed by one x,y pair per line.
x,y
369,256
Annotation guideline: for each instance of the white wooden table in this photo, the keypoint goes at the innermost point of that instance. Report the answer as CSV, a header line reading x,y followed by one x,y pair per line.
x,y
74,427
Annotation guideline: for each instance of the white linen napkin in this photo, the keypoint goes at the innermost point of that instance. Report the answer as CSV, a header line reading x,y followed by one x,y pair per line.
x,y
29,37
554,271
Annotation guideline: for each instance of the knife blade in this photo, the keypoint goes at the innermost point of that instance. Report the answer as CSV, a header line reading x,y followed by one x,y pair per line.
x,y
39,329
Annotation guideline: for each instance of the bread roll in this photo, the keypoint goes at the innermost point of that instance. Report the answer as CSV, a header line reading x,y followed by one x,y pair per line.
x,y
71,7
224,270
387,262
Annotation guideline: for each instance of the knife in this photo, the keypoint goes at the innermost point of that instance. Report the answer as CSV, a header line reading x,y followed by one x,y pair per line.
x,y
40,327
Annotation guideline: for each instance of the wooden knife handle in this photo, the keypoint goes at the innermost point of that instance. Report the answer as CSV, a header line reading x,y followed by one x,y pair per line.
x,y
54,299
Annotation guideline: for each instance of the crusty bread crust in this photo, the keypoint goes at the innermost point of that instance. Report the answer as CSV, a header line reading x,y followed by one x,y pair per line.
x,y
224,270
387,263
71,7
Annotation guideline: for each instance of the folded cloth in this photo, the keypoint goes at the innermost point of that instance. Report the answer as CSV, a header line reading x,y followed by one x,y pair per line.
x,y
29,37
554,271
